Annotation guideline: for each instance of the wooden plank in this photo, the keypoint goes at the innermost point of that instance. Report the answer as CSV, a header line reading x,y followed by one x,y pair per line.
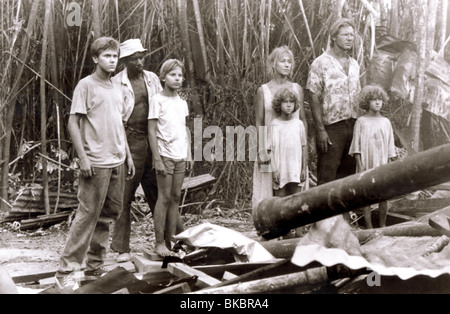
x,y
441,223
198,181
34,277
398,218
144,265
236,268
152,256
129,266
428,204
122,291
175,289
228,276
182,271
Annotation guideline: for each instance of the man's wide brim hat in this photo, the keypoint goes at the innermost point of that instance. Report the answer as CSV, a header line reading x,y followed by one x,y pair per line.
x,y
130,47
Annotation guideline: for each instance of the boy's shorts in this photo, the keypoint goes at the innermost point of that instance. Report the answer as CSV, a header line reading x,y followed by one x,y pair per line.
x,y
174,166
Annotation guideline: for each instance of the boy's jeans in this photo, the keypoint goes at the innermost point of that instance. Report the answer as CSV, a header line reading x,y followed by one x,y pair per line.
x,y
101,200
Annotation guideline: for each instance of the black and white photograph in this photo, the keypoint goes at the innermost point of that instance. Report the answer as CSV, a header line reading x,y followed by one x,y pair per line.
x,y
233,154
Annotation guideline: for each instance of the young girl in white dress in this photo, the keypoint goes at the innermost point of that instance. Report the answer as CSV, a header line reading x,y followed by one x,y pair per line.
x,y
280,67
373,141
287,142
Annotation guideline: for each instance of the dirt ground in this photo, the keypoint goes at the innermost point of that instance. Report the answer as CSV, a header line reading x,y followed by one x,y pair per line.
x,y
36,251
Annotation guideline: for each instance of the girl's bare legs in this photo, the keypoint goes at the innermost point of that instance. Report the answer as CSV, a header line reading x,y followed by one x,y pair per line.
x,y
288,189
172,218
382,213
161,213
368,217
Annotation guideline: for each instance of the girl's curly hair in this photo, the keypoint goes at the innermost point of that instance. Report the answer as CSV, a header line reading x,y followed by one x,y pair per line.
x,y
371,92
284,94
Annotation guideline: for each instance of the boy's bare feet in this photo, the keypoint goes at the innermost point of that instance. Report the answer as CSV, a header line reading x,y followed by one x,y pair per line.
x,y
163,251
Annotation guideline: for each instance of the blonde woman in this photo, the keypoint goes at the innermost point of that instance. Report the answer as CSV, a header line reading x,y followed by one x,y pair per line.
x,y
280,67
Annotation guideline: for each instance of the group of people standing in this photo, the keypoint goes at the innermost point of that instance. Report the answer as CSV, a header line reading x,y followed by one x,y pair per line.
x,y
130,130
127,130
346,140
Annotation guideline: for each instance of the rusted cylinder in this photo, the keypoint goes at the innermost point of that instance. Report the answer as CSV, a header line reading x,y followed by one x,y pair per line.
x,y
275,216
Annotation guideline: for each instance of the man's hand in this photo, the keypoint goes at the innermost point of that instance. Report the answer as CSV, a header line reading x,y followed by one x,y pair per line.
x,y
131,170
323,141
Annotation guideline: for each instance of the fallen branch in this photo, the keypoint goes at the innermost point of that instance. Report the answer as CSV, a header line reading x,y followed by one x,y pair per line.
x,y
308,277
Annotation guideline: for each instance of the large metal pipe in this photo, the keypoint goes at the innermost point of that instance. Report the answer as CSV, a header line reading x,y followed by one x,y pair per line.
x,y
275,216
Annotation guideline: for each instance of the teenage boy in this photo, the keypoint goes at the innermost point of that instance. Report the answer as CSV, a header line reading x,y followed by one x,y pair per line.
x,y
98,136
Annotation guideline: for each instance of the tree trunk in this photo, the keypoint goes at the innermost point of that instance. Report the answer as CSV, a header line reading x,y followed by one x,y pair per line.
x,y
44,105
96,22
420,13
184,32
308,277
442,31
305,20
431,25
220,40
10,105
198,19
275,216
55,95
394,25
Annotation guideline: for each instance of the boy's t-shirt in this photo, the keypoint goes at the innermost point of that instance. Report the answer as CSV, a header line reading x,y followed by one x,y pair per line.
x,y
171,113
101,127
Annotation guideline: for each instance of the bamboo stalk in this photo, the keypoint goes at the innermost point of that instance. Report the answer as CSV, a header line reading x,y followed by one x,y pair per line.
x,y
198,19
96,23
219,40
308,277
10,106
431,24
305,19
44,104
421,12
443,27
184,34
54,76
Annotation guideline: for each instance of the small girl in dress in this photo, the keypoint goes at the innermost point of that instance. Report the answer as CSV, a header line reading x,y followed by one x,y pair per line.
x,y
373,141
287,141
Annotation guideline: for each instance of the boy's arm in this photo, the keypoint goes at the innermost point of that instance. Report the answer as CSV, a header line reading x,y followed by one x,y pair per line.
x,y
159,165
75,134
